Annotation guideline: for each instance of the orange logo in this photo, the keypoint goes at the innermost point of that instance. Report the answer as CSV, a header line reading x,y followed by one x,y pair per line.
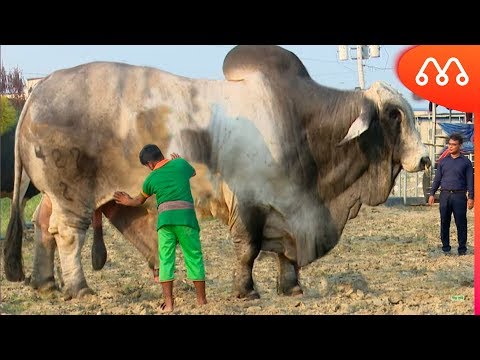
x,y
448,75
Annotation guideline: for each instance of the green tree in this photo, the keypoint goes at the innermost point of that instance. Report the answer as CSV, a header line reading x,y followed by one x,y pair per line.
x,y
12,97
8,114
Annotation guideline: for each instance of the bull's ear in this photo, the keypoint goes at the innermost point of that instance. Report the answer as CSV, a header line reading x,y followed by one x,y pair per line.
x,y
359,126
394,114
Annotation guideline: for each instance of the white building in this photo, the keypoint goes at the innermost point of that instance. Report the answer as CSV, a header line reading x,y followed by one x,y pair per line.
x,y
30,85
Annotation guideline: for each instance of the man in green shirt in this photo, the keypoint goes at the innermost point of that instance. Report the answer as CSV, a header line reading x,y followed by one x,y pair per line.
x,y
169,181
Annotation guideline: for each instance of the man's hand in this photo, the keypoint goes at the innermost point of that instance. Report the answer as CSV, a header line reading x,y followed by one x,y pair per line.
x,y
431,200
174,156
470,204
122,198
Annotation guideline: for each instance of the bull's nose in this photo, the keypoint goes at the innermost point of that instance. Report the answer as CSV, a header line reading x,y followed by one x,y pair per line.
x,y
425,163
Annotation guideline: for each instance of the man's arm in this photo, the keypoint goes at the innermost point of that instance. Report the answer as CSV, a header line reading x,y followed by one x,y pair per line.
x,y
469,177
435,184
123,198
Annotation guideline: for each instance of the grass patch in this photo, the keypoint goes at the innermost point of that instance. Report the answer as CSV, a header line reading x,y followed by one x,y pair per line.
x,y
14,305
5,204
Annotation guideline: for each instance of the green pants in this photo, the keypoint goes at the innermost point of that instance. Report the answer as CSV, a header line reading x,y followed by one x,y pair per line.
x,y
189,239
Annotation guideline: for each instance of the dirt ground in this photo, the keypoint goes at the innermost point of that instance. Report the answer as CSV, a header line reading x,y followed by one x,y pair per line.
x,y
388,261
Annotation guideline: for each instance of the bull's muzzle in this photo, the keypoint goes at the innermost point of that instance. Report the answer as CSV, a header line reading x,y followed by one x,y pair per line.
x,y
425,163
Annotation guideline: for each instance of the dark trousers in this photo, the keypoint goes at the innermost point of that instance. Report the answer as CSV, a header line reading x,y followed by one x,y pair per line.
x,y
456,203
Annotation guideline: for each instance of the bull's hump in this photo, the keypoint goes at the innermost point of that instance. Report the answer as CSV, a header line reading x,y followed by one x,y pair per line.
x,y
382,90
273,61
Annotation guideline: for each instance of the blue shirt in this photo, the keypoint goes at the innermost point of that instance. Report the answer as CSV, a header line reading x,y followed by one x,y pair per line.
x,y
454,174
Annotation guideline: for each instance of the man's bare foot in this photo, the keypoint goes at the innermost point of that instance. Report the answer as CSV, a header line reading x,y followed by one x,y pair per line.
x,y
166,309
201,301
200,290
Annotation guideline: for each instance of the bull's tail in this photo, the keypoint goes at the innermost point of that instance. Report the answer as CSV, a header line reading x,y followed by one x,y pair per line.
x,y
13,242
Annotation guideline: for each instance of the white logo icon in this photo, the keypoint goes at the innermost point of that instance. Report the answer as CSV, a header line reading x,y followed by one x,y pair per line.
x,y
442,77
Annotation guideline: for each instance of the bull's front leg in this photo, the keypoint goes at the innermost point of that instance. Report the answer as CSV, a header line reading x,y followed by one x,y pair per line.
x,y
43,264
242,278
247,242
287,281
279,241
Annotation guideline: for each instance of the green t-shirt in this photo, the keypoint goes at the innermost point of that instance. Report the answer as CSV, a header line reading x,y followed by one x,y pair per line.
x,y
171,182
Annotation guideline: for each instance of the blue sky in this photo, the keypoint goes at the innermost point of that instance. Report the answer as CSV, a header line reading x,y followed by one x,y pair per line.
x,y
205,61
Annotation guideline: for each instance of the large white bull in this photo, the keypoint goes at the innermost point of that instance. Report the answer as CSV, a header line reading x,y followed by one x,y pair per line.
x,y
281,159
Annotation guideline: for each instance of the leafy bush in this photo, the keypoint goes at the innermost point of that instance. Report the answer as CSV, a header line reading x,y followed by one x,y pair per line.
x,y
9,115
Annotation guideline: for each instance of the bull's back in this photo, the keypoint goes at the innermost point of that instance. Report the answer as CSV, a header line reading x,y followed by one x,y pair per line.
x,y
93,96
92,120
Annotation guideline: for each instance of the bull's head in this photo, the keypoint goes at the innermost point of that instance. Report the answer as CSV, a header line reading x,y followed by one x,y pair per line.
x,y
394,109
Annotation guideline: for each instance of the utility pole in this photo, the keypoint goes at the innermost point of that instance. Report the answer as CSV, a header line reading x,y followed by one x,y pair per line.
x,y
361,76
359,53
1,247
1,68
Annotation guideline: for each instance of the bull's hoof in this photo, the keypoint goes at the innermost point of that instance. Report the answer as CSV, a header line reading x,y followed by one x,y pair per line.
x,y
294,291
48,288
45,286
85,292
70,294
251,295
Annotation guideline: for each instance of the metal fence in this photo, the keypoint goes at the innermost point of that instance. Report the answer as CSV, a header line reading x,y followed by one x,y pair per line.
x,y
408,189
412,188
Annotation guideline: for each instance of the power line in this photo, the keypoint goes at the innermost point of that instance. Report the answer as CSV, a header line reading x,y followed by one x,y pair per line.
x,y
378,68
320,60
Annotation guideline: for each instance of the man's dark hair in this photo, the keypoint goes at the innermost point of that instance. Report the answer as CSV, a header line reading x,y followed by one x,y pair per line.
x,y
150,152
456,137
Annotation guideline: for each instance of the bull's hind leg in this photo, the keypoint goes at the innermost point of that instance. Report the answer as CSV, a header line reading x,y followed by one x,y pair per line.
x,y
69,231
70,241
43,263
287,282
